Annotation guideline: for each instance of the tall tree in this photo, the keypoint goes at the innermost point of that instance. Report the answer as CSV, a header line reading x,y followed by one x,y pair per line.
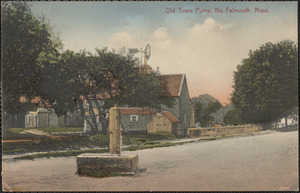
x,y
103,80
233,117
266,83
203,114
23,39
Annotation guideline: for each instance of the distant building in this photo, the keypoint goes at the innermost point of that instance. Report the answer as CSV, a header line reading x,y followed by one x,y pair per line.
x,y
287,119
46,117
43,116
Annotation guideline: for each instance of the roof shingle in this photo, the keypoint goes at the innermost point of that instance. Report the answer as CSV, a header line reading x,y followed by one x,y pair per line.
x,y
173,83
170,116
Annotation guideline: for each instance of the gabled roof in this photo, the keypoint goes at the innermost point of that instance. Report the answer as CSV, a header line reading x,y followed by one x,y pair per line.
x,y
136,111
174,83
170,116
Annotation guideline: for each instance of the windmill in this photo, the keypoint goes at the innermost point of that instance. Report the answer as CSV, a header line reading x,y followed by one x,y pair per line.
x,y
146,52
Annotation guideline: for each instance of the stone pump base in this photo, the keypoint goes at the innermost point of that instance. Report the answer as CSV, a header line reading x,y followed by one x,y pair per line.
x,y
105,165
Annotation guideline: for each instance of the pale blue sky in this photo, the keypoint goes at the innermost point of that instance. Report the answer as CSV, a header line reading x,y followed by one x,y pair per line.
x,y
206,47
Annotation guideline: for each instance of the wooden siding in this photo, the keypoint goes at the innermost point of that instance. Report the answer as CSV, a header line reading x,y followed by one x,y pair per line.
x,y
159,123
140,125
185,106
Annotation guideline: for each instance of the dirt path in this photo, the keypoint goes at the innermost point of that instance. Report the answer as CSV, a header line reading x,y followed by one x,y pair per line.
x,y
260,162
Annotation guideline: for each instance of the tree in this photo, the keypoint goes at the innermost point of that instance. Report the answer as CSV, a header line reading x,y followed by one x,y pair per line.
x,y
232,117
203,115
104,80
23,39
265,84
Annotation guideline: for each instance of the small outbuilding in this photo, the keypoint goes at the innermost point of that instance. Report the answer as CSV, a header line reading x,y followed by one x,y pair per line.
x,y
164,122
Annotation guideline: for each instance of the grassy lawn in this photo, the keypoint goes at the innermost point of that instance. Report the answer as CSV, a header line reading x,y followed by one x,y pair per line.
x,y
71,146
78,152
46,129
77,143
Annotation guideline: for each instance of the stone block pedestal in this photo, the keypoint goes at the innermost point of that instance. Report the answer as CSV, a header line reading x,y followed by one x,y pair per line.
x,y
104,165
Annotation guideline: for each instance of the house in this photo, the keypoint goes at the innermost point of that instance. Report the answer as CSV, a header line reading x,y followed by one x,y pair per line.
x,y
43,116
176,85
135,120
46,117
164,122
289,119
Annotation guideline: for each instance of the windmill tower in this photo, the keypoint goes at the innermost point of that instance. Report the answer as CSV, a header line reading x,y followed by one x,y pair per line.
x,y
145,54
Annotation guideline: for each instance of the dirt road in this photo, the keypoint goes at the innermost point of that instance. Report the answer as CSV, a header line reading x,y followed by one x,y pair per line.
x,y
260,162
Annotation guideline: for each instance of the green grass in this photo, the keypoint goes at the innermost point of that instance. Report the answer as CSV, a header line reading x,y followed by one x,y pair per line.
x,y
73,144
55,143
146,138
46,129
60,154
60,143
78,152
70,146
60,129
15,130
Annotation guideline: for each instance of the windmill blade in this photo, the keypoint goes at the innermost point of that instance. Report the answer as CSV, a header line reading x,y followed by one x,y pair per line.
x,y
148,51
133,50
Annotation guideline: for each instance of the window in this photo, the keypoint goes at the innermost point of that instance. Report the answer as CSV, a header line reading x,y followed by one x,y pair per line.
x,y
134,118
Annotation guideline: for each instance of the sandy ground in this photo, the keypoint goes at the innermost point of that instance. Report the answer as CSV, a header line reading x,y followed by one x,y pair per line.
x,y
260,162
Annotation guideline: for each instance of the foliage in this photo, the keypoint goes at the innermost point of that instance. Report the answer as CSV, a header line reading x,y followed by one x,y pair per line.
x,y
102,81
46,129
203,114
24,38
34,66
265,85
233,117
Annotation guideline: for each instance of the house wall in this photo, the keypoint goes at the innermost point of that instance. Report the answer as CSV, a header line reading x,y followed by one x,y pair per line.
x,y
43,119
31,119
159,123
174,110
192,112
139,126
48,118
185,109
53,120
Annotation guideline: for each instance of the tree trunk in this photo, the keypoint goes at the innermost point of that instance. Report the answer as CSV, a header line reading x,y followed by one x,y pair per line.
x,y
286,121
93,116
104,121
82,113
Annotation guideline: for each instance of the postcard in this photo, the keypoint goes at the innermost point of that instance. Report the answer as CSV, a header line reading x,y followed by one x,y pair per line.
x,y
149,96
